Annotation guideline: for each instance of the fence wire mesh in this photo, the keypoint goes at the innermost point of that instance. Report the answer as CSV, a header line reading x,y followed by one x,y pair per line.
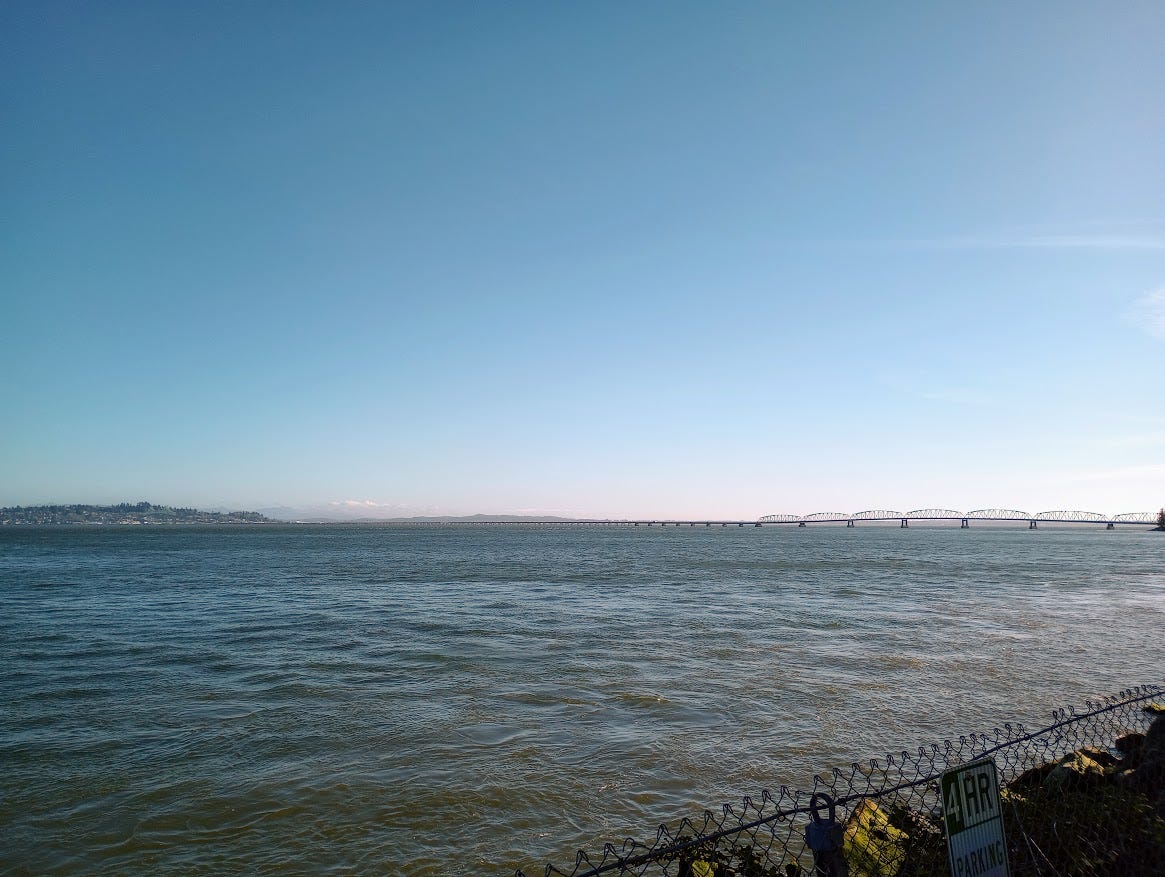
x,y
1082,797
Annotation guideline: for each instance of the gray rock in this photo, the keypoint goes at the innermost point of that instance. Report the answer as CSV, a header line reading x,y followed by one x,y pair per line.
x,y
1076,770
1131,746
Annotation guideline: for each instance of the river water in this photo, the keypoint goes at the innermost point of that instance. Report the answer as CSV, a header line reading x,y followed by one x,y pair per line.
x,y
467,700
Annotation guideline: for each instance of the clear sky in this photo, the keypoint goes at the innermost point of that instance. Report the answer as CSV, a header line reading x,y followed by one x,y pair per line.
x,y
668,259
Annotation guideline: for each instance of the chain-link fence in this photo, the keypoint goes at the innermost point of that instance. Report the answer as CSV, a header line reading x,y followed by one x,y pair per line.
x,y
1084,796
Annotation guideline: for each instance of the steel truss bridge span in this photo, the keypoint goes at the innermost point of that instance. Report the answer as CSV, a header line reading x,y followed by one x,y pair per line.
x,y
964,518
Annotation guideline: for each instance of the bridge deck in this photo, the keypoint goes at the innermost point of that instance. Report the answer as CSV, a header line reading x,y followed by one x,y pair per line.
x,y
1138,518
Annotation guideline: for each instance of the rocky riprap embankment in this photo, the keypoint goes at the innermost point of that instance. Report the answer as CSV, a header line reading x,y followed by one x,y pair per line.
x,y
1092,813
1139,767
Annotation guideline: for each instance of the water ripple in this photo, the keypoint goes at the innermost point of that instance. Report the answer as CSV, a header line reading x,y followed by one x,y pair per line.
x,y
412,701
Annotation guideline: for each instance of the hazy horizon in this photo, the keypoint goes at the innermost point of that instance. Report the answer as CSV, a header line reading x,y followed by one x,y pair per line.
x,y
363,512
660,260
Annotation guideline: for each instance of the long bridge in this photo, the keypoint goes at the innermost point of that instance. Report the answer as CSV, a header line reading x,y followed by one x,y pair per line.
x,y
850,519
964,518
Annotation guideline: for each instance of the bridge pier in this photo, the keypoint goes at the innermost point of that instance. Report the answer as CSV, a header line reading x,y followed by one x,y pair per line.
x,y
905,523
801,524
849,523
966,525
1110,526
757,524
1031,525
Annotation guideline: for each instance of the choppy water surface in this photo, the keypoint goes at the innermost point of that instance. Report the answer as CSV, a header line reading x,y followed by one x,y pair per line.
x,y
456,700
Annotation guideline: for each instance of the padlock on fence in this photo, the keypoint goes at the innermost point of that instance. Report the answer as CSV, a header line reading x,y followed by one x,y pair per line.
x,y
825,838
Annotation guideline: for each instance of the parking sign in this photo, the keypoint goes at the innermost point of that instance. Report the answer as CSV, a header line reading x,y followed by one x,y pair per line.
x,y
973,820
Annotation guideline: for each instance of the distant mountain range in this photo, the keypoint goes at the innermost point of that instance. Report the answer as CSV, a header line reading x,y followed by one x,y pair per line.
x,y
368,512
343,514
446,519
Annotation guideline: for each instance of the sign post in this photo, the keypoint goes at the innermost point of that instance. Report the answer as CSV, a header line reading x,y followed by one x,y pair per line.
x,y
973,819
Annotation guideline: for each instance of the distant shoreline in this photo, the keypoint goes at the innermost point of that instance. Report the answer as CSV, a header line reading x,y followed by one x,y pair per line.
x,y
149,514
122,514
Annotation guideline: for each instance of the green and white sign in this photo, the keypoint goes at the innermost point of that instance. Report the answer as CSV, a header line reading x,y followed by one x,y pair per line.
x,y
974,821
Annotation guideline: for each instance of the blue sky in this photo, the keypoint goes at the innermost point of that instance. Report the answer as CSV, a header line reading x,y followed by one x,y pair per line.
x,y
615,259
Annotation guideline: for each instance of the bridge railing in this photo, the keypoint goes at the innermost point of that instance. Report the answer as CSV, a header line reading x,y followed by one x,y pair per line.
x,y
1076,797
825,516
1073,516
934,515
1136,518
998,515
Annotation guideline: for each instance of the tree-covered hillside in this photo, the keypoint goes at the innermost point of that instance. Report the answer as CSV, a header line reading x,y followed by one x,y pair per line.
x,y
123,513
